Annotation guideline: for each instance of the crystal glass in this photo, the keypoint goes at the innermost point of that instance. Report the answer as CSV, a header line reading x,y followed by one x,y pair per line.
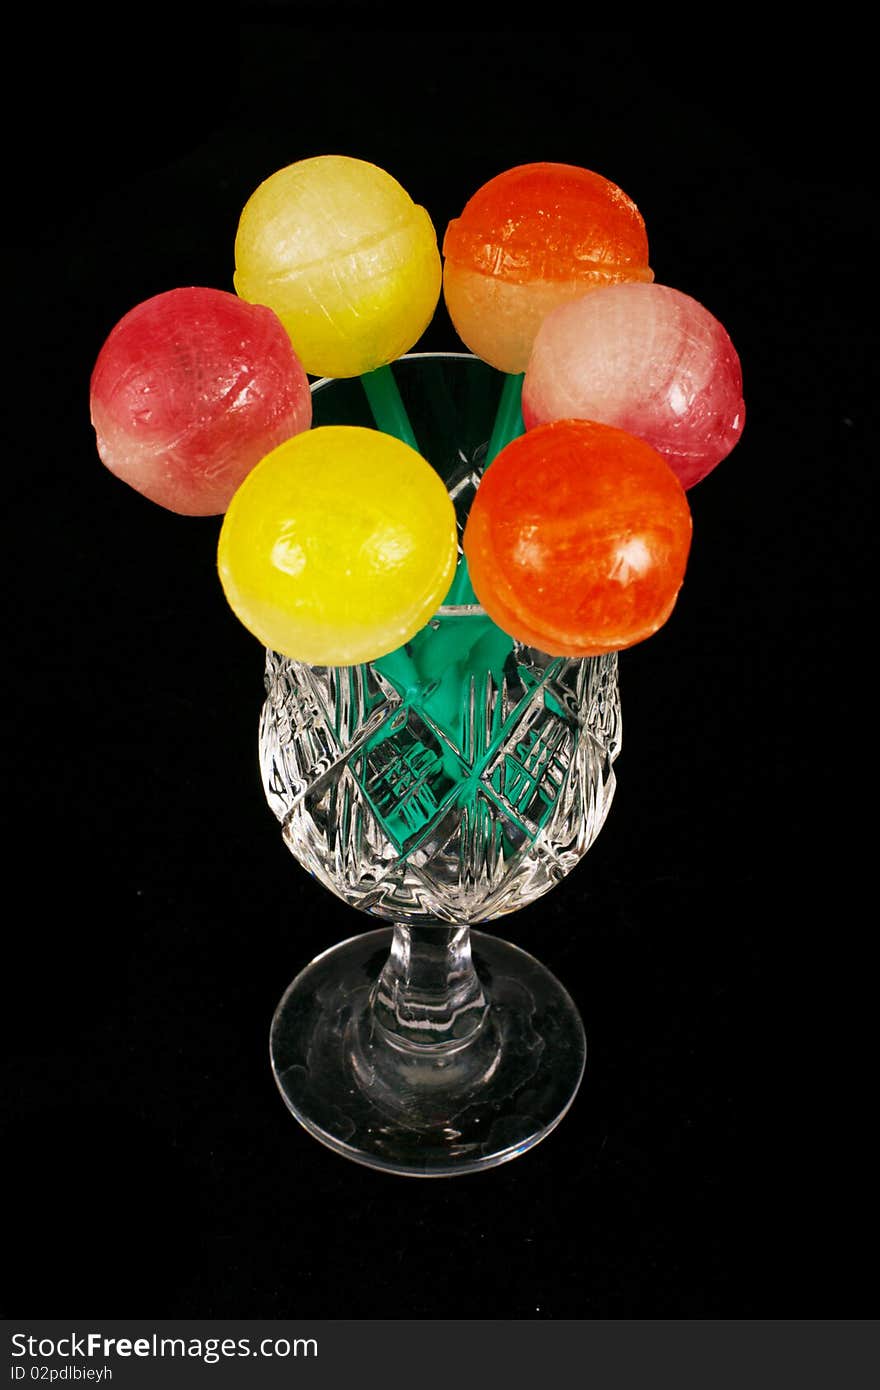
x,y
435,789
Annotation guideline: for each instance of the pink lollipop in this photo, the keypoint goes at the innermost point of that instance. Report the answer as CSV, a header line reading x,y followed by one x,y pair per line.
x,y
647,359
191,389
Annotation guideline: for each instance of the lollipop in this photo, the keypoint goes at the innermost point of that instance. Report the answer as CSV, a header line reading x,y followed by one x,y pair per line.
x,y
345,258
189,391
648,359
530,239
338,547
578,538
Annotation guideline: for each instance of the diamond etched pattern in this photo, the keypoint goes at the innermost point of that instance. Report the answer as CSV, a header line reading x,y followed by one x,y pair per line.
x,y
456,791
460,777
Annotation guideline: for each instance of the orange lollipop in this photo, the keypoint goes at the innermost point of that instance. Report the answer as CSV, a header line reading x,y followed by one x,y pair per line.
x,y
529,240
578,539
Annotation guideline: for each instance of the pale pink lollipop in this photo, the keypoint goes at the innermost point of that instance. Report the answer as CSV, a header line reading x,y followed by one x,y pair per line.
x,y
647,359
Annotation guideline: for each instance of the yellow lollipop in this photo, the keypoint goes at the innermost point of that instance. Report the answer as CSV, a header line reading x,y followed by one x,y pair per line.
x,y
347,260
338,546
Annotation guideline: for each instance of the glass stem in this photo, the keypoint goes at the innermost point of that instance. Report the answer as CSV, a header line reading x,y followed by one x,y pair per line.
x,y
429,995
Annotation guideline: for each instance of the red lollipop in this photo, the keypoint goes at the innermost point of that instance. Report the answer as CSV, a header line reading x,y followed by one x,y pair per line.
x,y
578,538
191,389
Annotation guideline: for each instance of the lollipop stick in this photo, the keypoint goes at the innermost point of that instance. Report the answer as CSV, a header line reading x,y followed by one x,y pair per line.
x,y
388,409
508,426
508,419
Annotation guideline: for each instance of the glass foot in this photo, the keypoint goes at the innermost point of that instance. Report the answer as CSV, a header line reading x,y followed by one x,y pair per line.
x,y
432,1109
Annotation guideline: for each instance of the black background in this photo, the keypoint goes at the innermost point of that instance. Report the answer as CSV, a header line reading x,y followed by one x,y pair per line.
x,y
712,938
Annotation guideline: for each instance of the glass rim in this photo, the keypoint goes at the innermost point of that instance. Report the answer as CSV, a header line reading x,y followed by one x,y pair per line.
x,y
322,381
